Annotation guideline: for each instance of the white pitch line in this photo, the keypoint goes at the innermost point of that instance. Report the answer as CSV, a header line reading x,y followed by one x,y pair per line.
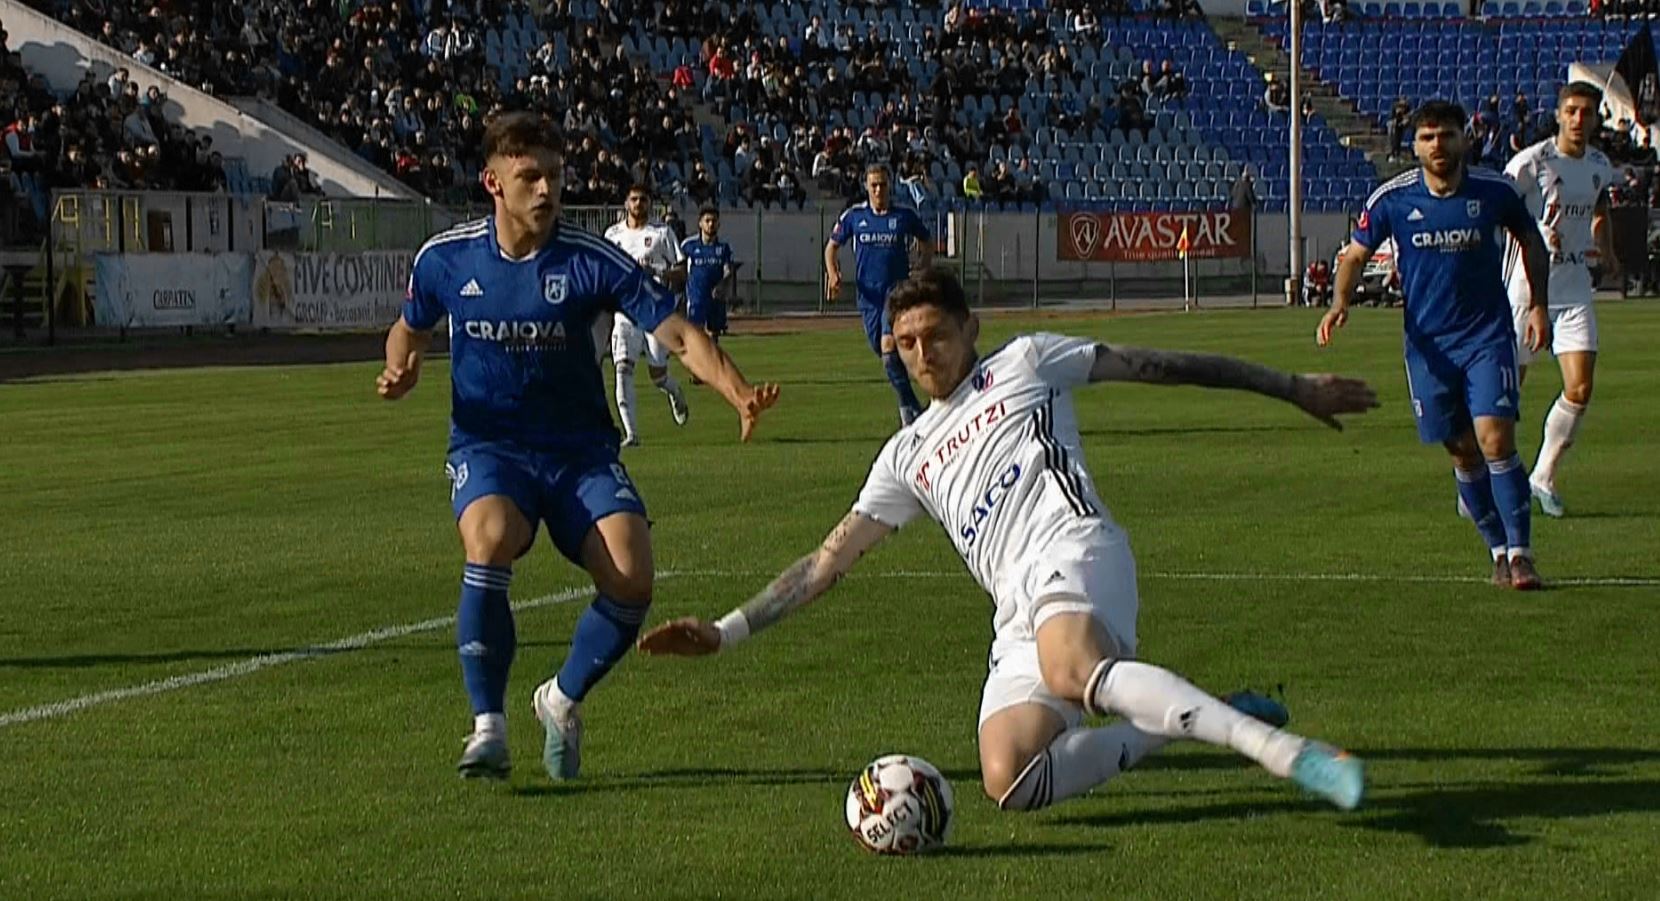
x,y
264,661
1587,581
376,636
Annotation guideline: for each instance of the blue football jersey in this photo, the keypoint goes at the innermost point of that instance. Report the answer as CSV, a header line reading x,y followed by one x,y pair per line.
x,y
522,361
881,244
706,263
1450,254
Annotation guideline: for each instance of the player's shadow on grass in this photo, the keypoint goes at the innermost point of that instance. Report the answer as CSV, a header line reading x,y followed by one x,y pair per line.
x,y
1445,815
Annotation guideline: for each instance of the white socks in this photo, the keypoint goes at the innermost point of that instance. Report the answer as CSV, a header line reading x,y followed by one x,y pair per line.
x,y
490,724
1077,761
1162,703
626,399
1561,425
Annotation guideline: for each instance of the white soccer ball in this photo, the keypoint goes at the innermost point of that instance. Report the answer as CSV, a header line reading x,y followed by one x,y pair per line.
x,y
900,804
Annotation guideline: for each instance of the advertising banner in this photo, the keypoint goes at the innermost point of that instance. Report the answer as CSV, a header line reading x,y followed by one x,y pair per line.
x,y
329,291
164,290
1152,237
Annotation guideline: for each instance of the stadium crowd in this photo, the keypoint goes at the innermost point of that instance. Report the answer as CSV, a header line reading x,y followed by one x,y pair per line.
x,y
407,87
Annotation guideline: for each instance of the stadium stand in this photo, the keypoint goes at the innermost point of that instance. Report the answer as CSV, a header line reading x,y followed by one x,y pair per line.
x,y
1127,104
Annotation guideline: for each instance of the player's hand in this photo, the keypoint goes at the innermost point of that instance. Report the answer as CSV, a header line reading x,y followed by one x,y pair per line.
x,y
763,396
832,287
396,381
1335,318
686,637
1325,396
1538,328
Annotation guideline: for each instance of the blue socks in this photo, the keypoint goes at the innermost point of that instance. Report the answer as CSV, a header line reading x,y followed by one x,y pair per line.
x,y
484,635
1514,501
901,382
603,635
1476,490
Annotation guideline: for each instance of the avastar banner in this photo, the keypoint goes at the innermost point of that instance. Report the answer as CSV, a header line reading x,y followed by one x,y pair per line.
x,y
1152,237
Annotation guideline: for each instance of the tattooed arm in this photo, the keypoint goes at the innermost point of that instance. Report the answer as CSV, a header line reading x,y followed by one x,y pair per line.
x,y
1322,396
795,587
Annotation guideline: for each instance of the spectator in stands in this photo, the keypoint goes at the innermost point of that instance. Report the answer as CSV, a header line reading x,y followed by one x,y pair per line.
x,y
1309,112
915,187
20,144
1150,84
1399,116
1276,97
971,183
1242,197
824,172
1084,25
1001,187
1174,83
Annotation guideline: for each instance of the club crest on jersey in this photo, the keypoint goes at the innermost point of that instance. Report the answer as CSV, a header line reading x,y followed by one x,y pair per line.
x,y
1473,207
982,379
553,288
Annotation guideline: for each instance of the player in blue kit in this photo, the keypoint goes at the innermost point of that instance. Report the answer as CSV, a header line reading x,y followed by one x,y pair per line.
x,y
1446,220
531,437
881,235
708,266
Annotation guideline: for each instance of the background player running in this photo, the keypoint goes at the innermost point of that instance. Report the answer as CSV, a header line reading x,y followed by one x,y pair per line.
x,y
997,461
656,248
1565,183
531,439
1460,343
708,267
881,235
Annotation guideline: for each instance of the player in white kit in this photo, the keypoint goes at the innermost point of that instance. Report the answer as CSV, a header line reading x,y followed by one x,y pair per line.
x,y
655,247
1565,182
996,459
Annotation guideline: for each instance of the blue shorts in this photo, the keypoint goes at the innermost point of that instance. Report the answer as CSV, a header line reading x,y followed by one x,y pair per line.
x,y
569,491
709,315
1450,389
873,309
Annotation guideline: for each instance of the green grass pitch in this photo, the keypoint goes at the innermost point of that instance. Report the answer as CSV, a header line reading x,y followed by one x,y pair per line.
x,y
167,524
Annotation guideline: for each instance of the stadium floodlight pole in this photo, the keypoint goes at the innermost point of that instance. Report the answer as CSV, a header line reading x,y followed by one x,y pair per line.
x,y
1294,198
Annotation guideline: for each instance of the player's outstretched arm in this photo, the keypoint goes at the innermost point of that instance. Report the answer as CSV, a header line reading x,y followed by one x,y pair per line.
x,y
805,580
708,362
404,349
1323,396
1349,267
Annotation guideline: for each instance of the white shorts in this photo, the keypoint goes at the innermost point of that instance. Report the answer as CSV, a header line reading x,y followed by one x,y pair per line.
x,y
628,343
1573,329
1095,566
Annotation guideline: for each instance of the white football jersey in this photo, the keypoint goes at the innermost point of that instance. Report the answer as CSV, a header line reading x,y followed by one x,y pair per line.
x,y
653,245
1561,193
999,463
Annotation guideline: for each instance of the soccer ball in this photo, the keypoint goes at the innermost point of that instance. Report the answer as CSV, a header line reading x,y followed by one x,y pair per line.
x,y
900,804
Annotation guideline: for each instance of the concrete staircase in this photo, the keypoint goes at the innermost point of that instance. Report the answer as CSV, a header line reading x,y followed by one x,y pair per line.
x,y
704,114
1353,128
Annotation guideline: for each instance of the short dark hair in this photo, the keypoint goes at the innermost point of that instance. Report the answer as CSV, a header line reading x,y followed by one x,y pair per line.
x,y
709,211
935,286
640,188
1438,113
517,134
1582,89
